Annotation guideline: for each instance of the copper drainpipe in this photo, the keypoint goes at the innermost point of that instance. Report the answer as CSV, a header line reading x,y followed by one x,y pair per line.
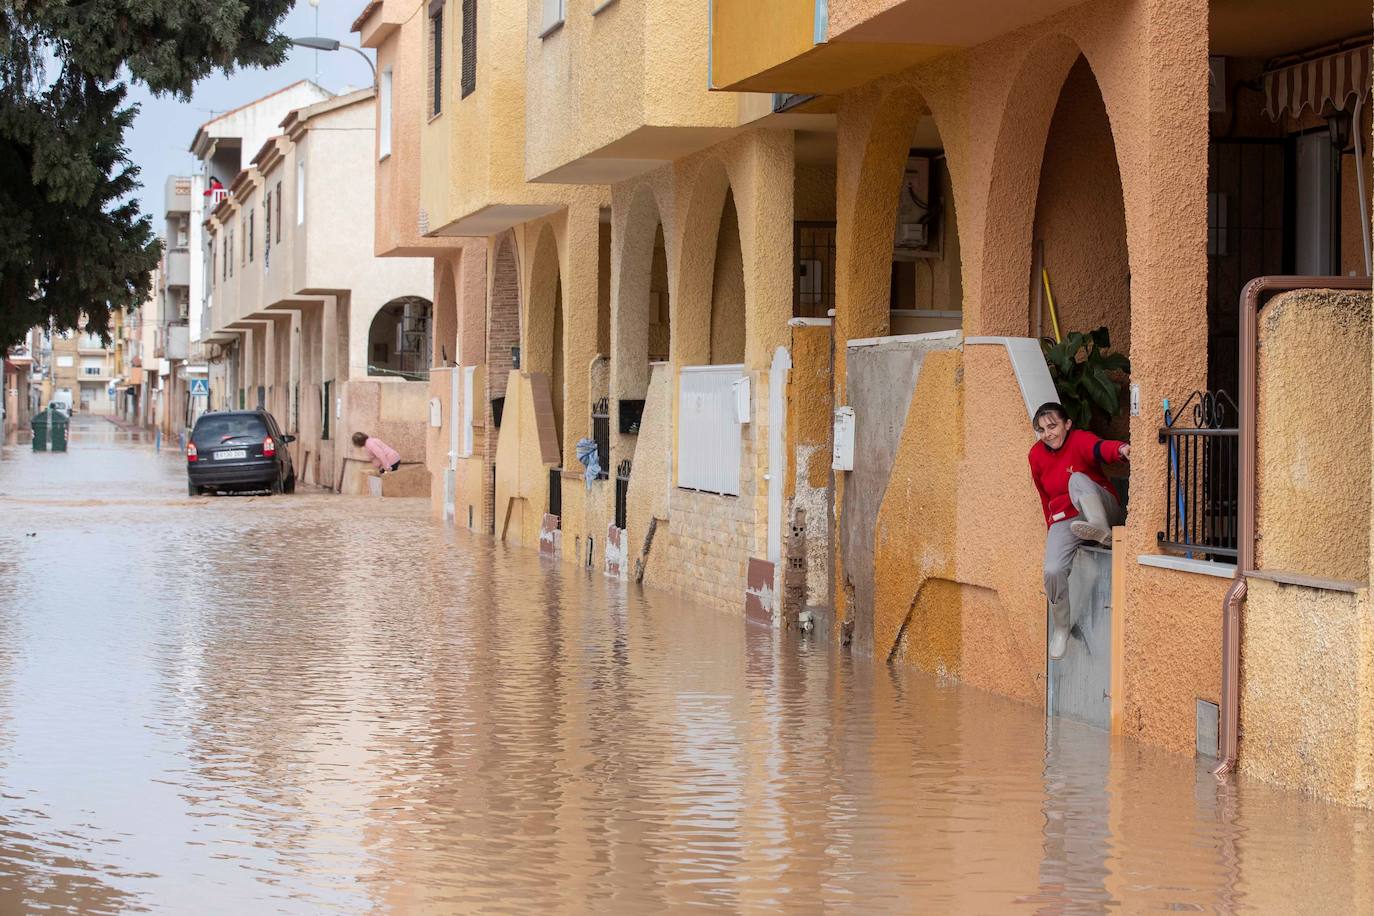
x,y
1250,304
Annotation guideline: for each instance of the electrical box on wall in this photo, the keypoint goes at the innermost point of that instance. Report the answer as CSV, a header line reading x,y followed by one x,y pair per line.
x,y
842,457
919,209
741,389
436,413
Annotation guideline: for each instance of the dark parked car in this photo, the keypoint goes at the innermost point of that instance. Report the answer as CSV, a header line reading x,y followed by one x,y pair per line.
x,y
239,450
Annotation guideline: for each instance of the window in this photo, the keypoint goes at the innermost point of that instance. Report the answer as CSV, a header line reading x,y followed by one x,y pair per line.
x,y
300,191
251,219
229,252
436,57
278,217
267,231
469,47
183,232
214,261
553,17
384,115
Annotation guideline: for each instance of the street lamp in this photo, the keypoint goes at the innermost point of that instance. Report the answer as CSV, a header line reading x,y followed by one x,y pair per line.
x,y
333,44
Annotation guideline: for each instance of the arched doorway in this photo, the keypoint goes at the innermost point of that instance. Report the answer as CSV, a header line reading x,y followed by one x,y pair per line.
x,y
708,315
400,339
1079,231
642,335
727,290
1080,219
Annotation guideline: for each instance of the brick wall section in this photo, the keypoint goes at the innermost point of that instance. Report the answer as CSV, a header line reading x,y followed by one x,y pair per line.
x,y
710,538
503,332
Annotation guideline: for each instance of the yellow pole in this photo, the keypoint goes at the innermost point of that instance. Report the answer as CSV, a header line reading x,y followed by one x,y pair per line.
x,y
1049,297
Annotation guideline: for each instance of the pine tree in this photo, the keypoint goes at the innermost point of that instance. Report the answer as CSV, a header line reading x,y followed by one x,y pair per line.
x,y
72,241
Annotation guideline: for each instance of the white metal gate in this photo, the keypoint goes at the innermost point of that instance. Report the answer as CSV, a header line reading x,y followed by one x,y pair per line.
x,y
709,443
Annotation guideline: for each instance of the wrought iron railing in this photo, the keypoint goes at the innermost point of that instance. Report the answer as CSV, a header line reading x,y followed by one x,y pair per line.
x,y
622,492
1202,474
601,434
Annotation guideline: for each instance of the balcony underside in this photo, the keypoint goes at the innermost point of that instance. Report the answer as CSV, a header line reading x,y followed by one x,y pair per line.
x,y
642,150
837,66
495,218
836,46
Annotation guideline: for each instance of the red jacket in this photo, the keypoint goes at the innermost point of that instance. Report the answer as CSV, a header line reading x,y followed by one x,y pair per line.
x,y
1082,452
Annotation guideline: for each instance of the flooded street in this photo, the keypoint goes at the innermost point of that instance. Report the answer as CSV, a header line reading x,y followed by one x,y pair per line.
x,y
325,704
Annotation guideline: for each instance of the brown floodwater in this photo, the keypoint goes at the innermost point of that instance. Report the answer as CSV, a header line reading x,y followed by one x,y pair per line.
x,y
319,704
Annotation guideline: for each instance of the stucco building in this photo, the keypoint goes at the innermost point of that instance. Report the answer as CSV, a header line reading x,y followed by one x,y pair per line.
x,y
787,265
308,322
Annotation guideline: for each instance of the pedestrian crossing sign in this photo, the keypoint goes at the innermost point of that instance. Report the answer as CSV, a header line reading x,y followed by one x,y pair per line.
x,y
200,387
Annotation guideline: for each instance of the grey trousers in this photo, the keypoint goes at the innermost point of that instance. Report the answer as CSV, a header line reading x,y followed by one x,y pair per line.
x,y
1096,505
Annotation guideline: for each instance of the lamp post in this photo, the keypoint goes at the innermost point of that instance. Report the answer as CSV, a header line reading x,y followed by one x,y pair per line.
x,y
333,44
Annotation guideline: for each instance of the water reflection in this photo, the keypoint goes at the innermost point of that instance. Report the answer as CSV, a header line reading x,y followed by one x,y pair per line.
x,y
320,704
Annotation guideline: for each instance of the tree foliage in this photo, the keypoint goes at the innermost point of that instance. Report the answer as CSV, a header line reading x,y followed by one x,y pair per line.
x,y
72,240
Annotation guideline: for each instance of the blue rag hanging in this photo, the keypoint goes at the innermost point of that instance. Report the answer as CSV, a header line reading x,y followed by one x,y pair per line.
x,y
590,456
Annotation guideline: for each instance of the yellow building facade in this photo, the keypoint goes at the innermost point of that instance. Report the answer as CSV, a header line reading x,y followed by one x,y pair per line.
x,y
784,267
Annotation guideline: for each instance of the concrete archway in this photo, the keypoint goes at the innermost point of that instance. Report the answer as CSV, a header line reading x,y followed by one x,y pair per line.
x,y
1080,217
544,321
641,328
691,315
400,338
445,316
1006,243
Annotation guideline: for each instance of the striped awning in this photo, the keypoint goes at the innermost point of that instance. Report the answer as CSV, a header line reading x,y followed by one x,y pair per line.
x,y
1336,78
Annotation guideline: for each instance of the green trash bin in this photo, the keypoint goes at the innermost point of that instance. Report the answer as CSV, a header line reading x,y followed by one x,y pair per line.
x,y
57,431
40,427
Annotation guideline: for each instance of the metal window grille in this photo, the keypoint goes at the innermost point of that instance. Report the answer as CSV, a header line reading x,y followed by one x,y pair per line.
x,y
813,274
469,62
622,492
556,492
324,410
1202,478
601,434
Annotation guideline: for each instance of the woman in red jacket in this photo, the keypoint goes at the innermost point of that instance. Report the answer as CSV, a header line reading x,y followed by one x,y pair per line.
x,y
1080,503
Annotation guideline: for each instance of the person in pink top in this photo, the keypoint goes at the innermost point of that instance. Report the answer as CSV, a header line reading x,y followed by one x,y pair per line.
x,y
384,457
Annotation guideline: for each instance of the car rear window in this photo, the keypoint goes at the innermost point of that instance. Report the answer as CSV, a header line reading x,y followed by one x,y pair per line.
x,y
212,429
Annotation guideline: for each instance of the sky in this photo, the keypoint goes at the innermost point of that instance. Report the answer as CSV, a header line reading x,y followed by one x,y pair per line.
x,y
161,135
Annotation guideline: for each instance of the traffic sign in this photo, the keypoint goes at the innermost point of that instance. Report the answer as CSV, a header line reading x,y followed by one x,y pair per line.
x,y
200,387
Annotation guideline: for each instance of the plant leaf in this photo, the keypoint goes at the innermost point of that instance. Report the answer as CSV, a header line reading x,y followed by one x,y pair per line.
x,y
1103,392
1103,338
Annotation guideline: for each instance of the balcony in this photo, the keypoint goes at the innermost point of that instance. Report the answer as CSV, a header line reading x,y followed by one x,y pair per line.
x,y
177,193
472,175
178,267
178,341
815,46
637,101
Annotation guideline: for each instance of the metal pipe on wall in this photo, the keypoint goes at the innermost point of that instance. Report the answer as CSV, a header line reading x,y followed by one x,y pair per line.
x,y
1250,304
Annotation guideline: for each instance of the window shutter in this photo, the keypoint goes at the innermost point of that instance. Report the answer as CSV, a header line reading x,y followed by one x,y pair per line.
x,y
469,47
436,58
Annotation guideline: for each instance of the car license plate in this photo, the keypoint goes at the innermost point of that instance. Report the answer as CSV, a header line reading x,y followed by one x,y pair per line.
x,y
231,454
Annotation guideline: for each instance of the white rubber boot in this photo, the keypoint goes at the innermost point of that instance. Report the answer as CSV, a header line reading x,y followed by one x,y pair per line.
x,y
1059,633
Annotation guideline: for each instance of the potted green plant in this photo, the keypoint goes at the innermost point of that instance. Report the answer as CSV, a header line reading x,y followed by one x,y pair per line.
x,y
1088,378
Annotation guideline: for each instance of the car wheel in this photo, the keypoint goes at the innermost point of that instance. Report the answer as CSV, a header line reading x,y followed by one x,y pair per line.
x,y
290,485
192,489
277,486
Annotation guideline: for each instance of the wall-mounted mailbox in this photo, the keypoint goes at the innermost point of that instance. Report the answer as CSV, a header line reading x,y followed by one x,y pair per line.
x,y
842,458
